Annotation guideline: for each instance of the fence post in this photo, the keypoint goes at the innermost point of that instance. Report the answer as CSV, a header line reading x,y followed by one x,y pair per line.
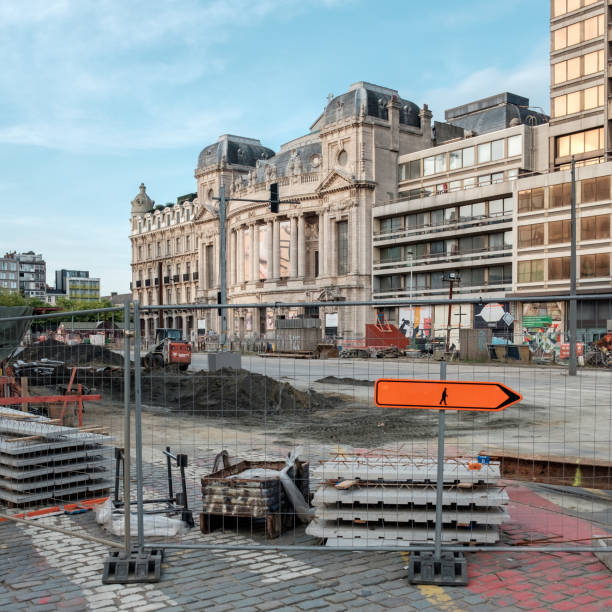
x,y
138,425
127,424
440,474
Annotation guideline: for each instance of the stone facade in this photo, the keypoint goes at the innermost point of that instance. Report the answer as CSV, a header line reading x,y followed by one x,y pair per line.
x,y
316,248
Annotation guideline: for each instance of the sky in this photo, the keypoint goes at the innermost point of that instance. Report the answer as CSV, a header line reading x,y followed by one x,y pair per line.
x,y
99,96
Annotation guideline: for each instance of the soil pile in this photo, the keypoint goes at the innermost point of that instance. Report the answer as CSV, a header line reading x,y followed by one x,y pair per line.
x,y
71,354
349,382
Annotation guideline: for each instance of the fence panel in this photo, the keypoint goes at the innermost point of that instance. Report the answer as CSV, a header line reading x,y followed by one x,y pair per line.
x,y
288,406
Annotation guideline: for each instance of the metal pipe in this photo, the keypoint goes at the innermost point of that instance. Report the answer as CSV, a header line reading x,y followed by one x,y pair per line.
x,y
65,314
440,469
127,373
572,369
73,534
527,299
403,548
138,423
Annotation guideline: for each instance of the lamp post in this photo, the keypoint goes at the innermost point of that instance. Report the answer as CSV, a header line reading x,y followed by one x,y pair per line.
x,y
451,278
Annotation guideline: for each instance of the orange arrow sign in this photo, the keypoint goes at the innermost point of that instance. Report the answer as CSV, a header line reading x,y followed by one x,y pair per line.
x,y
444,394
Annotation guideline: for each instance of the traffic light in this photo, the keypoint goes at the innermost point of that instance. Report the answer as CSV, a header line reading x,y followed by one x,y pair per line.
x,y
274,197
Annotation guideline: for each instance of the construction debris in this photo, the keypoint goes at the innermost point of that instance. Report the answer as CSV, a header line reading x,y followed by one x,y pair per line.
x,y
40,460
374,501
70,354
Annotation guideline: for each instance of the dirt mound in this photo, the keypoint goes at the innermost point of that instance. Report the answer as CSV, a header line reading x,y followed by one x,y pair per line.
x,y
71,354
351,382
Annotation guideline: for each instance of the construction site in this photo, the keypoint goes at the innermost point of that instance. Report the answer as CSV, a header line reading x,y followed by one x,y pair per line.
x,y
249,454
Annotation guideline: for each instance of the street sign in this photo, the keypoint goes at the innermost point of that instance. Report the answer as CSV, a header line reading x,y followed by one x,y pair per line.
x,y
492,313
443,394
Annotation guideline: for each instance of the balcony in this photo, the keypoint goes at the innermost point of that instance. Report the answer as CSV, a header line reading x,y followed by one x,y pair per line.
x,y
453,257
442,292
185,277
147,282
175,278
455,226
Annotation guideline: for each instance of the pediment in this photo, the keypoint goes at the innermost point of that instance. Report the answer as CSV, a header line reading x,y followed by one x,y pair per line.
x,y
336,179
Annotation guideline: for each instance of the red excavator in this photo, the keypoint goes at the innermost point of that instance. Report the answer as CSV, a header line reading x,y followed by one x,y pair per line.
x,y
170,349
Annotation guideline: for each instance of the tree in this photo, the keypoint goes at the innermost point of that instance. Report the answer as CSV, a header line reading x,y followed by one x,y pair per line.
x,y
11,298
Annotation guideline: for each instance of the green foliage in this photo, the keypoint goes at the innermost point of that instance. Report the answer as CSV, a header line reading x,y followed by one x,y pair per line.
x,y
71,305
11,298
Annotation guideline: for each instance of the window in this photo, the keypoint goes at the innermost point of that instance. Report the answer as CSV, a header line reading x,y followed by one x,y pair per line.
x,y
468,157
437,217
436,247
560,195
531,199
577,32
429,166
484,152
139,253
450,215
210,266
484,180
187,216
595,266
468,183
580,142
560,7
440,162
515,145
391,224
417,220
530,235
595,228
595,189
388,283
167,247
419,281
497,177
159,249
559,231
496,242
468,212
455,160
558,268
342,242
188,242
188,290
390,254
531,271
410,170
578,101
178,245
497,149
149,250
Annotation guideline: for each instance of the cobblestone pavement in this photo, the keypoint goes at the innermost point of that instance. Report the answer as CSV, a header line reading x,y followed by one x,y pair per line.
x,y
43,570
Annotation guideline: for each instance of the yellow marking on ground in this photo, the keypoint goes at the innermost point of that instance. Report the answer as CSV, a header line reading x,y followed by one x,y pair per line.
x,y
577,477
436,596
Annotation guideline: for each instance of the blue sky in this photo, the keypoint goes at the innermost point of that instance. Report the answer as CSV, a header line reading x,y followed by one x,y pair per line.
x,y
97,96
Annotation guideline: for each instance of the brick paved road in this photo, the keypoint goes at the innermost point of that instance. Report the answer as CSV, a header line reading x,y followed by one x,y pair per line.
x,y
43,570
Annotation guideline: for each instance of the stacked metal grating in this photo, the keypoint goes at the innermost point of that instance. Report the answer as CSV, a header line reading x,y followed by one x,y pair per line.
x,y
391,501
41,461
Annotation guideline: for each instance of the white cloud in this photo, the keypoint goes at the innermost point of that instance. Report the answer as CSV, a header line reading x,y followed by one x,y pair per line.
x,y
529,79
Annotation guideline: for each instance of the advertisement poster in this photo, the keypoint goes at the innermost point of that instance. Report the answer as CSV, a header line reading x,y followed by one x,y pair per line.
x,y
494,315
269,319
415,321
248,321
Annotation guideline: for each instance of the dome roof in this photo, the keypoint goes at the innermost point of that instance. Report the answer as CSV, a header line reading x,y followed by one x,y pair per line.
x,y
233,150
372,100
142,202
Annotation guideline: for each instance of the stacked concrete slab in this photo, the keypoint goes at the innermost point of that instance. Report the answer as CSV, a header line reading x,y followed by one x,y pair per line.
x,y
41,461
385,501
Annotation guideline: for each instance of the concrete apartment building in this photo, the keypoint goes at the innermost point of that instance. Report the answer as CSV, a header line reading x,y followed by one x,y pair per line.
x,y
32,273
315,249
580,126
455,213
9,275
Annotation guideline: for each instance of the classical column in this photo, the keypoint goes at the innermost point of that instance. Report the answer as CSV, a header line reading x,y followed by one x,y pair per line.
x,y
232,257
276,248
301,247
353,246
254,253
332,252
293,249
269,249
185,336
204,273
201,267
240,256
216,259
322,245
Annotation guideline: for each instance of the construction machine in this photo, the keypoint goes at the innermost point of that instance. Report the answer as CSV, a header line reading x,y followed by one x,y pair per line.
x,y
169,349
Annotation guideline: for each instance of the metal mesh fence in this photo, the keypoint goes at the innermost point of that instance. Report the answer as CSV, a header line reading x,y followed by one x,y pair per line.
x,y
269,435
